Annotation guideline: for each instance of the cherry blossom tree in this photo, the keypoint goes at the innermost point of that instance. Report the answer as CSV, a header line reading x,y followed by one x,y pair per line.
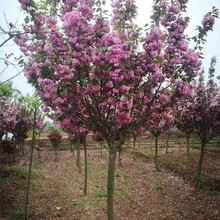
x,y
89,68
201,111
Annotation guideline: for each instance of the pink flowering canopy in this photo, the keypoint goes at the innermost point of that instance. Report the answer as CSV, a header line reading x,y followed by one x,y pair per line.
x,y
200,112
89,71
17,119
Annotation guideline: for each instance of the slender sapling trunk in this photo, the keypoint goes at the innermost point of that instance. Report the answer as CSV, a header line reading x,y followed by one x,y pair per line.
x,y
78,163
187,144
134,147
86,165
200,164
111,179
30,166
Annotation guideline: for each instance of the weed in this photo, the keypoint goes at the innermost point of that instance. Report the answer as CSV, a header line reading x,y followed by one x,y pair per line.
x,y
168,171
17,169
14,195
93,147
144,171
134,207
170,152
159,169
159,187
117,175
182,175
36,167
100,193
16,216
199,211
98,204
207,189
68,163
55,214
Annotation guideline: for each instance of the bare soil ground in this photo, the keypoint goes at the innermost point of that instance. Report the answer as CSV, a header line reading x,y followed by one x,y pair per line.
x,y
141,192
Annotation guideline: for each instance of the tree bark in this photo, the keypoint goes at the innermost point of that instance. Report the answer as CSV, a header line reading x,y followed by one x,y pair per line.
x,y
101,150
167,143
187,144
134,148
30,166
110,184
78,157
156,153
119,158
86,166
22,147
200,164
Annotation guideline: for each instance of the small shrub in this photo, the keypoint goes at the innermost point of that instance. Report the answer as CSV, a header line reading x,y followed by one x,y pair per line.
x,y
55,140
117,175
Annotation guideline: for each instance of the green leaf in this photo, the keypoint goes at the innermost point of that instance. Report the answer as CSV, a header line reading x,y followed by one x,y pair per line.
x,y
26,20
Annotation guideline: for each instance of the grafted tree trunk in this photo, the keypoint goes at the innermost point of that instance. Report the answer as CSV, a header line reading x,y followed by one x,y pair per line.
x,y
1,135
167,143
78,163
156,153
30,166
86,165
199,170
22,147
187,144
111,179
101,149
134,147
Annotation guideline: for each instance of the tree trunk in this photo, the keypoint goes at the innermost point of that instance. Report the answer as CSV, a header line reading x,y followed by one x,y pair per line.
x,y
101,150
119,158
39,157
78,157
187,144
86,165
134,148
110,184
167,143
22,147
30,166
55,152
156,153
1,135
200,164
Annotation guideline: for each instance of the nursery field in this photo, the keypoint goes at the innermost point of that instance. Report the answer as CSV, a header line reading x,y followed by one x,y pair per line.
x,y
141,192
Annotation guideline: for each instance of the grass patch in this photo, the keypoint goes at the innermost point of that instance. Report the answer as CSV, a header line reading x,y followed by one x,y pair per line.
x,y
159,187
144,171
199,211
100,193
207,189
68,163
16,216
17,169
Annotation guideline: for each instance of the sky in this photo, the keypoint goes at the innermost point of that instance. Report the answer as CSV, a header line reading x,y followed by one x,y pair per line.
x,y
10,11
